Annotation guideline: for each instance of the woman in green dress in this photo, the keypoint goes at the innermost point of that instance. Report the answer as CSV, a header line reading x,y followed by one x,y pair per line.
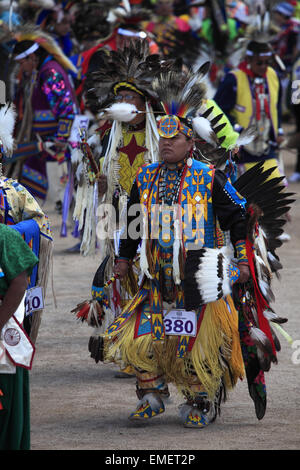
x,y
17,261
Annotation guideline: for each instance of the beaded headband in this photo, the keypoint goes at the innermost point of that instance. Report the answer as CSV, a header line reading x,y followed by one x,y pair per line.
x,y
126,85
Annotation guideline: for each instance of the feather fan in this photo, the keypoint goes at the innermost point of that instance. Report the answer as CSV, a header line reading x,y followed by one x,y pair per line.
x,y
271,200
209,275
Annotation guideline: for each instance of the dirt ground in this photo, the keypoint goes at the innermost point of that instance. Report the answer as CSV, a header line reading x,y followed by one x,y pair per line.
x,y
78,404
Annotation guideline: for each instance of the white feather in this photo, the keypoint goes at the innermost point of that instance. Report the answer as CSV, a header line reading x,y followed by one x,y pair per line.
x,y
207,274
265,289
176,251
271,256
7,123
94,140
80,170
266,22
258,258
260,339
279,62
258,22
144,266
191,82
245,137
124,112
76,156
152,136
270,315
203,128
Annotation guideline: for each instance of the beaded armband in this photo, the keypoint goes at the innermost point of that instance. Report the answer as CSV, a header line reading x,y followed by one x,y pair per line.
x,y
241,253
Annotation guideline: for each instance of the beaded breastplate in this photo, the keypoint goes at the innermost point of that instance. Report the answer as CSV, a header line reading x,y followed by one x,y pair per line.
x,y
193,194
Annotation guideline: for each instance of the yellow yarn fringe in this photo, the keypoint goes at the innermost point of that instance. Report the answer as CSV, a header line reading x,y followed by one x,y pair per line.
x,y
218,331
120,346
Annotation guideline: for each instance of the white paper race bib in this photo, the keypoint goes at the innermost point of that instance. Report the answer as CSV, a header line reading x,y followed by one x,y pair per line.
x,y
80,122
180,322
34,300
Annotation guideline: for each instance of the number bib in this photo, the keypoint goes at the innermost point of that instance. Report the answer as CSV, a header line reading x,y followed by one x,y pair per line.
x,y
34,300
180,322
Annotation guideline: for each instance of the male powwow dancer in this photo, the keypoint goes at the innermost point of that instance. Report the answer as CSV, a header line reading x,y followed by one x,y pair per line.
x,y
118,82
182,326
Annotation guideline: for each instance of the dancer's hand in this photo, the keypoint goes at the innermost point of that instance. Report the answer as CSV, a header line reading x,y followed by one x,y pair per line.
x,y
102,185
244,273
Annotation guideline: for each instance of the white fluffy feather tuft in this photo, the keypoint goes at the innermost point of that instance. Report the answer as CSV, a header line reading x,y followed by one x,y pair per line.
x,y
153,399
123,112
7,124
203,128
245,138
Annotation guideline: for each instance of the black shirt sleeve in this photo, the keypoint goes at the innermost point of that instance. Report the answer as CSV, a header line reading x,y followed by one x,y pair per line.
x,y
229,207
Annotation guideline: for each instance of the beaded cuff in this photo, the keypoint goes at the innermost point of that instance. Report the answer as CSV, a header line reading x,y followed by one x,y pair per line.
x,y
241,253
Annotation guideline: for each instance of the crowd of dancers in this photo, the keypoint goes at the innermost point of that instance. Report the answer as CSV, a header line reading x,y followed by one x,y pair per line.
x,y
175,111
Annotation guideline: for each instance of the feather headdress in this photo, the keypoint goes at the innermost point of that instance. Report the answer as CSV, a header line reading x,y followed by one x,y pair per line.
x,y
132,67
46,41
91,19
258,38
182,94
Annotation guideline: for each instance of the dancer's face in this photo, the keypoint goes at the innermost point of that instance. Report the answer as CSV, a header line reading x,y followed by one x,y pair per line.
x,y
175,149
64,27
259,65
129,96
28,64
